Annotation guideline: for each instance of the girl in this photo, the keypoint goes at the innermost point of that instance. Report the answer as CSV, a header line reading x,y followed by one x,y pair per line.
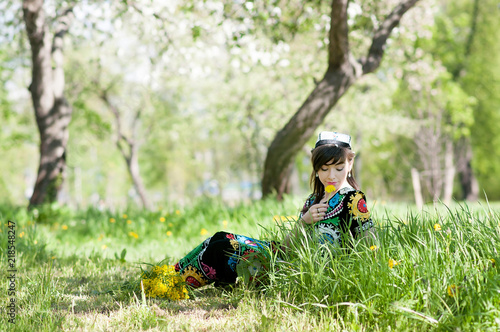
x,y
335,208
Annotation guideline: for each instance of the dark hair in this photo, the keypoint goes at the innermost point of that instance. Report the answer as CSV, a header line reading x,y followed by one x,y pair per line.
x,y
322,155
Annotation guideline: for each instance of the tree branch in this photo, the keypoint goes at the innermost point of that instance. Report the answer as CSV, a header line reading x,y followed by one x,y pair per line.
x,y
376,52
39,38
157,16
473,29
120,136
470,39
64,22
338,49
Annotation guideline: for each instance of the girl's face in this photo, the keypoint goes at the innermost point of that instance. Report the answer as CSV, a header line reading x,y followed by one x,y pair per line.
x,y
334,174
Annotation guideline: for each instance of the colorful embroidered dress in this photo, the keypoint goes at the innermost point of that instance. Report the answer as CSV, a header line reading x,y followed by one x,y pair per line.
x,y
347,213
220,257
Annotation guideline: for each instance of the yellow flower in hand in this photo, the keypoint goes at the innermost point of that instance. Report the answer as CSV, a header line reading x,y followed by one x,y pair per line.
x,y
330,188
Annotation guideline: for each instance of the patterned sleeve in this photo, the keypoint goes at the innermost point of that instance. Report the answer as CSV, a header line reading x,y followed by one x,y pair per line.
x,y
306,206
358,213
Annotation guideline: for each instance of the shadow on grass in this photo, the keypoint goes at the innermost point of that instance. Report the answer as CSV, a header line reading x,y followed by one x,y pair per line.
x,y
113,285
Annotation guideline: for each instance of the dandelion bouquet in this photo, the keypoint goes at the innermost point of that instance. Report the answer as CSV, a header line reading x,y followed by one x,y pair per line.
x,y
163,281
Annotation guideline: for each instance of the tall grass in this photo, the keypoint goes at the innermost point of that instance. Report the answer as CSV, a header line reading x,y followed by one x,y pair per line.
x,y
435,269
428,270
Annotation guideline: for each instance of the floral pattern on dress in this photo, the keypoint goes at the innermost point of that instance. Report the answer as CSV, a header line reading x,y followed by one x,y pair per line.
x,y
347,212
358,207
218,257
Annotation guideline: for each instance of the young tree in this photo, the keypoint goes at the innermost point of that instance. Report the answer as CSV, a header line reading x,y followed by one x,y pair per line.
x,y
456,51
129,145
52,111
343,71
442,115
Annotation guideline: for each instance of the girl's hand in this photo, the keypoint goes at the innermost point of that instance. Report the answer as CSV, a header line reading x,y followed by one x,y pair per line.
x,y
315,213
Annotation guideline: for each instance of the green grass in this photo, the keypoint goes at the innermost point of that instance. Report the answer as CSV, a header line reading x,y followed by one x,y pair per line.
x,y
73,268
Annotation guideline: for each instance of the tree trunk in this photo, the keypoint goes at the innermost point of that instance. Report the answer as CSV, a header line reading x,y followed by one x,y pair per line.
x,y
417,189
133,168
300,128
468,181
52,111
342,72
449,172
128,147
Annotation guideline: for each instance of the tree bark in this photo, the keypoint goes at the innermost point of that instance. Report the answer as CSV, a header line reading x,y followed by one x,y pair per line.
x,y
342,72
52,111
468,181
449,172
417,189
133,168
129,148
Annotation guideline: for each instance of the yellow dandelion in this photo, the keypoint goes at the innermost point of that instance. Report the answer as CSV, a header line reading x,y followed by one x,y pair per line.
x,y
224,223
169,233
452,290
125,216
35,242
21,234
203,231
112,220
392,263
64,227
492,261
104,247
133,234
373,248
129,221
162,219
330,188
53,257
165,282
177,212
437,227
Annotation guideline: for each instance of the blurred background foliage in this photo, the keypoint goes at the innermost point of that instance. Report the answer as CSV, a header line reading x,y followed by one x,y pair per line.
x,y
215,80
